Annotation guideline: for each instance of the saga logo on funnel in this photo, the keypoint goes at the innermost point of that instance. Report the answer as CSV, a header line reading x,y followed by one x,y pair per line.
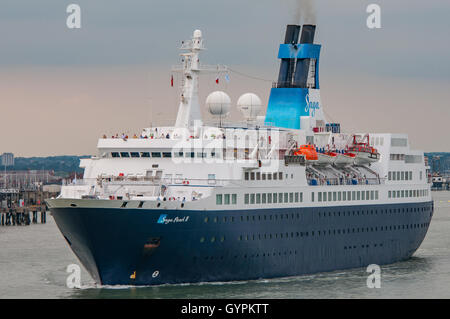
x,y
311,105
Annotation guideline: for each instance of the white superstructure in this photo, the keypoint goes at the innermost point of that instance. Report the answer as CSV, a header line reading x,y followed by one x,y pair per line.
x,y
198,166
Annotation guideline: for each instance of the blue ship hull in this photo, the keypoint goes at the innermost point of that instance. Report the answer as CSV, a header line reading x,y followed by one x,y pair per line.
x,y
114,244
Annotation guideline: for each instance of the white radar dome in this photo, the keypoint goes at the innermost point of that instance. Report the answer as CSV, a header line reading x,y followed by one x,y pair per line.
x,y
218,103
197,34
250,105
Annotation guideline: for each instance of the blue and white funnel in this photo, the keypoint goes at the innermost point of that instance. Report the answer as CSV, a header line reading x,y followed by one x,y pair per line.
x,y
295,99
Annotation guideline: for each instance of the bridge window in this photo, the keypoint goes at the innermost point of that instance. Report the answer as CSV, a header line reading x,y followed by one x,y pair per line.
x,y
145,154
156,154
134,154
167,154
115,154
124,154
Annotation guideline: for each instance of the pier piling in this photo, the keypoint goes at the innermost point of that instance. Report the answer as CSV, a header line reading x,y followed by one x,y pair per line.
x,y
22,207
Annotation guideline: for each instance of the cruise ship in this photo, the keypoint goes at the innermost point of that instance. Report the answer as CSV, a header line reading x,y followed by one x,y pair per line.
x,y
279,194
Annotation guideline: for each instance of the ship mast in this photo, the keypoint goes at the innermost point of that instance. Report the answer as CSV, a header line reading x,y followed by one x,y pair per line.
x,y
189,109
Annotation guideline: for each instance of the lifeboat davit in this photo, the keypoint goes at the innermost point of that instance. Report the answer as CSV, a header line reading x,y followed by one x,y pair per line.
x,y
308,151
365,154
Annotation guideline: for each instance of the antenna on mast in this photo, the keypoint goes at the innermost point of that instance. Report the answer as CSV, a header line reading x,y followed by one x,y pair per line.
x,y
189,109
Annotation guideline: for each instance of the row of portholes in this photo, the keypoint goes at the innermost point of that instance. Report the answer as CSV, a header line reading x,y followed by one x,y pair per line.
x,y
372,212
259,217
330,232
362,246
253,218
285,253
213,239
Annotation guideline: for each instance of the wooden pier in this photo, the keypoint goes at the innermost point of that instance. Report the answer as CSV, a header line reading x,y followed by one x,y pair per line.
x,y
23,207
23,217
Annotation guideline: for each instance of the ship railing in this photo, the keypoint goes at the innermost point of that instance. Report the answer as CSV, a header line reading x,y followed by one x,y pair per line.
x,y
287,84
344,181
294,159
150,181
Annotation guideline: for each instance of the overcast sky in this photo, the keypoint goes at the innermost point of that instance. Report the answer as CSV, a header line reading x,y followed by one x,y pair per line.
x,y
61,89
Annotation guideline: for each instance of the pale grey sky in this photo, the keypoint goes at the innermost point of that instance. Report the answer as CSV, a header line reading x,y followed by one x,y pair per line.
x,y
60,89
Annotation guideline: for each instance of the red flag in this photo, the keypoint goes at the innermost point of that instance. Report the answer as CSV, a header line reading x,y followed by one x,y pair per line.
x,y
217,80
171,81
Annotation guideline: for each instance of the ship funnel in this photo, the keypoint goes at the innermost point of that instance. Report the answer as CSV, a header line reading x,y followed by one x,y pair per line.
x,y
304,67
295,97
287,65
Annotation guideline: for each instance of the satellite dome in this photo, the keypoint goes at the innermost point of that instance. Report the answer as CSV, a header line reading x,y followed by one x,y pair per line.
x,y
218,103
250,105
197,34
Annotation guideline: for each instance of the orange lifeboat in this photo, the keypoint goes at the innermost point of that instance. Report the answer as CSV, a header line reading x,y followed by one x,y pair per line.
x,y
308,151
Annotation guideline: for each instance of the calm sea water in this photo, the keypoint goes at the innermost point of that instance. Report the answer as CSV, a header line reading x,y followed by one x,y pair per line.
x,y
33,262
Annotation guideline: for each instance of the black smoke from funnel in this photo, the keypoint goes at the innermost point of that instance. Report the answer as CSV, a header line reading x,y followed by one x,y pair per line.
x,y
302,67
287,65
